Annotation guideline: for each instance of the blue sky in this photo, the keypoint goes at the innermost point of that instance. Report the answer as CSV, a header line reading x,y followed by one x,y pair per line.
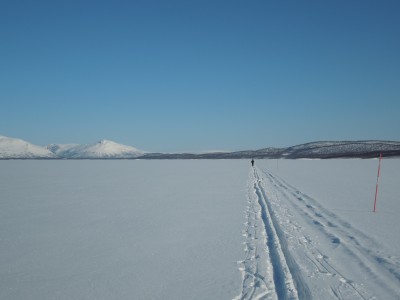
x,y
199,75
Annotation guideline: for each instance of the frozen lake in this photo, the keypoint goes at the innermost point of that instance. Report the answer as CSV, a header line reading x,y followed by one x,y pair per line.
x,y
199,229
121,229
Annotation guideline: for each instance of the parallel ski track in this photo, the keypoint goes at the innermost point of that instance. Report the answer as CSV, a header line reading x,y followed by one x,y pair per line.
x,y
256,266
339,232
286,270
285,280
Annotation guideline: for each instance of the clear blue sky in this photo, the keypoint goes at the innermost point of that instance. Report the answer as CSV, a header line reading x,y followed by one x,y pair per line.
x,y
199,75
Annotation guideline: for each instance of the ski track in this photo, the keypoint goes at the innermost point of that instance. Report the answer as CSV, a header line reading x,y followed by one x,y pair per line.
x,y
284,278
352,243
256,267
271,271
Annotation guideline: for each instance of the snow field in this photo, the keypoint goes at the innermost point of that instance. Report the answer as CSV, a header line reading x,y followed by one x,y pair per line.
x,y
121,229
199,229
336,256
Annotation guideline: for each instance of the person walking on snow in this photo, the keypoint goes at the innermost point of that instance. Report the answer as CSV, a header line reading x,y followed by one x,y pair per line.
x,y
252,162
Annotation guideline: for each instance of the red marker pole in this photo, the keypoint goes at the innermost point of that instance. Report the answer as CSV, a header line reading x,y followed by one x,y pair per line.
x,y
377,181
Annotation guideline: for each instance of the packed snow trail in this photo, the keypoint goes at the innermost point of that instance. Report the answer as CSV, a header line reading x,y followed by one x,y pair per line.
x,y
297,249
284,279
256,268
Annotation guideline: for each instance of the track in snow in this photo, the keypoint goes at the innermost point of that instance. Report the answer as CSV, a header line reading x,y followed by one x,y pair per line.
x,y
355,270
328,259
284,278
256,268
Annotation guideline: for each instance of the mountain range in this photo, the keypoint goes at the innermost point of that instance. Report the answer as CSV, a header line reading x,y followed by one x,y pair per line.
x,y
13,148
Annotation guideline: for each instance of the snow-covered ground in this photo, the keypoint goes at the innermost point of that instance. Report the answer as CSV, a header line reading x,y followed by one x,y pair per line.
x,y
126,229
199,229
311,231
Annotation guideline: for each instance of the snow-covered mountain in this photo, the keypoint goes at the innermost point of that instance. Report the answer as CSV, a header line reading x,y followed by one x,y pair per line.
x,y
101,149
104,149
60,149
17,148
343,149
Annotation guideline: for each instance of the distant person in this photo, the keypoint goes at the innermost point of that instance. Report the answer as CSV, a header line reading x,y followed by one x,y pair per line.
x,y
252,162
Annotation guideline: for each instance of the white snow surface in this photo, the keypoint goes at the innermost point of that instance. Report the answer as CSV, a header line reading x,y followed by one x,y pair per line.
x,y
121,229
316,218
17,148
199,229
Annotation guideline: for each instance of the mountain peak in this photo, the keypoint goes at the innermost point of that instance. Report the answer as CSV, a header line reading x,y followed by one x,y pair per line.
x,y
106,142
17,148
101,149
